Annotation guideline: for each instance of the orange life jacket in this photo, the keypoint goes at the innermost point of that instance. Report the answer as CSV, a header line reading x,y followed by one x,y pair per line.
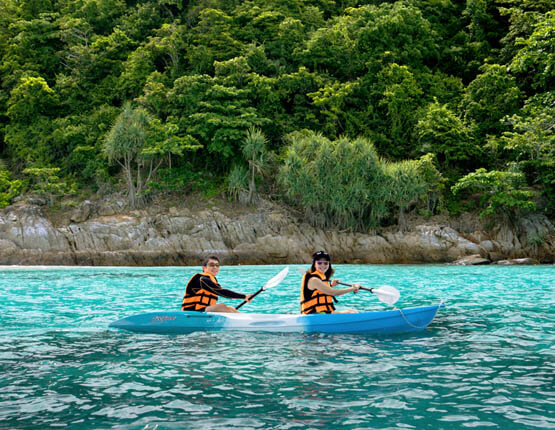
x,y
315,301
197,301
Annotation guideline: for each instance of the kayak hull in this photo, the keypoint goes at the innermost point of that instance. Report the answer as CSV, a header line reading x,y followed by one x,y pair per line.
x,y
381,322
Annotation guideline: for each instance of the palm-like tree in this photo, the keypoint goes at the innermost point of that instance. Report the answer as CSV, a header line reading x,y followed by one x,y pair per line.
x,y
254,150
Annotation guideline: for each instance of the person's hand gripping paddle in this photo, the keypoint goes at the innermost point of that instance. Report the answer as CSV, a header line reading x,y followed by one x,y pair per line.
x,y
271,283
385,293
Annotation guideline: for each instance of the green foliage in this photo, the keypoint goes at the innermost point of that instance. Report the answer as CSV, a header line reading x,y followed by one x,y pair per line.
x,y
185,180
400,98
32,97
332,100
255,152
532,136
9,188
531,142
28,134
502,193
212,40
214,113
434,180
394,33
333,50
491,96
441,132
128,136
337,183
237,181
138,143
46,183
432,76
82,136
405,186
536,58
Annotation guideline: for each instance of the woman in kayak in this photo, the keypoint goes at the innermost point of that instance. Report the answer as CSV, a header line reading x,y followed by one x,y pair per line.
x,y
202,291
317,295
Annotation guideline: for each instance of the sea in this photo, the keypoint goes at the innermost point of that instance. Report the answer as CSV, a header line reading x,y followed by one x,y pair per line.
x,y
486,361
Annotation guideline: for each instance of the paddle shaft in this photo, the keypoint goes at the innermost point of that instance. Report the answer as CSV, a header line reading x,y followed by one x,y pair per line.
x,y
362,288
271,283
253,296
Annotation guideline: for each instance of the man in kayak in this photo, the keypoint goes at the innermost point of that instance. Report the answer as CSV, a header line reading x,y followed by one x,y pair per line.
x,y
317,295
202,291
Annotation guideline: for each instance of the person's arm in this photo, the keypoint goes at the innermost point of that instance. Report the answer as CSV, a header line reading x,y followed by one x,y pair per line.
x,y
317,284
217,289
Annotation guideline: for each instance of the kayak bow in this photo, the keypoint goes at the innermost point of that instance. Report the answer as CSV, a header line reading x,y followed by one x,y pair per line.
x,y
380,322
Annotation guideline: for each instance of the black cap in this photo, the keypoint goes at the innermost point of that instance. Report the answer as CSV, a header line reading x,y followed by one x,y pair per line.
x,y
320,255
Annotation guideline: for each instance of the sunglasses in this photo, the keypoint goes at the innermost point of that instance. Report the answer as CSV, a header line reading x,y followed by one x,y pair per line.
x,y
213,265
323,262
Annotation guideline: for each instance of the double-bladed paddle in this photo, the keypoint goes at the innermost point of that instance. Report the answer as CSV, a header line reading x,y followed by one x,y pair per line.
x,y
271,283
385,293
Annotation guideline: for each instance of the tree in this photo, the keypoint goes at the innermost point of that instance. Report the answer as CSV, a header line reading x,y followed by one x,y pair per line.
x,y
215,112
212,40
532,134
237,182
441,132
435,182
30,108
336,183
404,188
401,98
46,182
138,143
255,152
488,98
331,50
502,193
332,100
536,59
394,33
124,144
531,141
9,188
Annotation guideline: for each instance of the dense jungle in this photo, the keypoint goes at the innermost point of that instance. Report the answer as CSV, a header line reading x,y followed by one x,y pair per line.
x,y
353,113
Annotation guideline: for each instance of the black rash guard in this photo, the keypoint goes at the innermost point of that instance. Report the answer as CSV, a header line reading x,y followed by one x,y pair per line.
x,y
206,283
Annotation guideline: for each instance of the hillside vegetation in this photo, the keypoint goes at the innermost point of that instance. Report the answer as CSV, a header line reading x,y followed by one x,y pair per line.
x,y
354,112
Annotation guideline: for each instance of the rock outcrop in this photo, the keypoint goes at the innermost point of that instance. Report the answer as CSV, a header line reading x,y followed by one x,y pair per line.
x,y
101,234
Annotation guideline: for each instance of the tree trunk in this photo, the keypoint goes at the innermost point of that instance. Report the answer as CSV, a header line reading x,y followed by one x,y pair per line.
x,y
252,188
403,227
130,184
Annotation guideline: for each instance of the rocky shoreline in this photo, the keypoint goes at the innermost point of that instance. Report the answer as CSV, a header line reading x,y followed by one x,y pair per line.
x,y
102,233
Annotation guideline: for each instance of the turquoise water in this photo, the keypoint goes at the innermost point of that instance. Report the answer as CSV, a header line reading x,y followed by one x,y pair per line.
x,y
487,360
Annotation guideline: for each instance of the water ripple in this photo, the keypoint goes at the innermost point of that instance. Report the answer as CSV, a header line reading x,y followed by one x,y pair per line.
x,y
486,361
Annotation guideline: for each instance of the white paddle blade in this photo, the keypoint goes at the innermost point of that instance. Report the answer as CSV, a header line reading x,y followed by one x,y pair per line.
x,y
277,279
387,294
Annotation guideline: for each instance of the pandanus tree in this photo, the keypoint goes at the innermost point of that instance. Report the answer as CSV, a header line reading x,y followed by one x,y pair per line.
x,y
124,145
405,187
254,150
139,143
337,183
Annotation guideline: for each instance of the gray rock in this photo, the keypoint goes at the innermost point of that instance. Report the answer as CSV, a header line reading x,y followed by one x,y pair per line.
x,y
472,260
82,212
517,261
265,234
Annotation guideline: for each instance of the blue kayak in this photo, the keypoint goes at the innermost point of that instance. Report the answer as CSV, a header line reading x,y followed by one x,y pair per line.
x,y
381,322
